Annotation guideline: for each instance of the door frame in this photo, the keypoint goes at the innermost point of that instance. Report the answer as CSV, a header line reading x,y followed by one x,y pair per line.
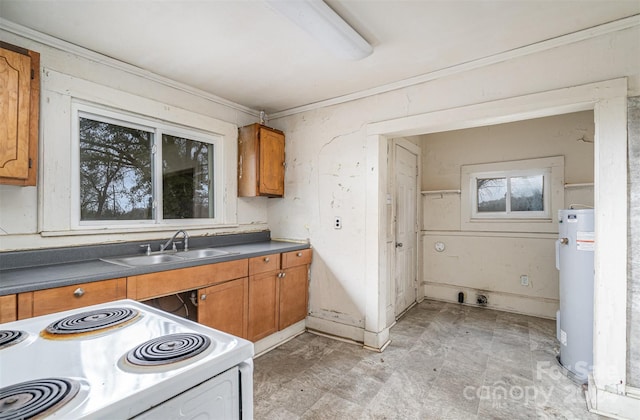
x,y
391,240
608,100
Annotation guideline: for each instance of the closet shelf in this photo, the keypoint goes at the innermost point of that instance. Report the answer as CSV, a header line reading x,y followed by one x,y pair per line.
x,y
440,192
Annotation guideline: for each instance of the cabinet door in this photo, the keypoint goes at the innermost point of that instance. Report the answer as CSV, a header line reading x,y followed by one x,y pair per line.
x,y
293,296
19,110
48,301
8,308
271,163
263,305
225,307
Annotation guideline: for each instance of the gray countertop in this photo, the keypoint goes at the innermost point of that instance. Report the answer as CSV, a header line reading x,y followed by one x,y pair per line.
x,y
26,279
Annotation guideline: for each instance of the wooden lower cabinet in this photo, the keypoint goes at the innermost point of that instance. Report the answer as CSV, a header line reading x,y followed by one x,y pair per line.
x,y
8,308
225,307
43,302
293,301
249,298
278,292
263,305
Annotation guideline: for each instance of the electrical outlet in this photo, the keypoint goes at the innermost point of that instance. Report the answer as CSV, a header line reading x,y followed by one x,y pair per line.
x,y
524,280
337,223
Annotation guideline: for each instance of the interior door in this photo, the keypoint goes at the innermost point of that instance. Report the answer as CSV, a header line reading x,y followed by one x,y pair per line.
x,y
406,184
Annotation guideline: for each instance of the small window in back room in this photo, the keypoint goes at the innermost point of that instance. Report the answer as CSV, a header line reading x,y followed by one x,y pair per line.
x,y
510,194
519,195
133,170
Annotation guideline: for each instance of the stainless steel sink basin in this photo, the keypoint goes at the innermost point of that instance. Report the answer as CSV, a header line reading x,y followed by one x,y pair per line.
x,y
144,260
202,253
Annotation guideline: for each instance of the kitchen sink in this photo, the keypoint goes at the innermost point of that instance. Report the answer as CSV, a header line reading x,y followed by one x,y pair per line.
x,y
202,253
144,260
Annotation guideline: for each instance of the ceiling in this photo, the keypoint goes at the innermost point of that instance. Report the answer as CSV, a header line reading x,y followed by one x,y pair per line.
x,y
245,52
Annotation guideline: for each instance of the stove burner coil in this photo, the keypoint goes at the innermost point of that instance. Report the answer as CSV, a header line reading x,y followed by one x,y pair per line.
x,y
168,349
11,337
40,397
92,321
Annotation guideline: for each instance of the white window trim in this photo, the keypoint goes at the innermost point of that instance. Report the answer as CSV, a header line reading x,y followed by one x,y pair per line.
x,y
158,128
545,221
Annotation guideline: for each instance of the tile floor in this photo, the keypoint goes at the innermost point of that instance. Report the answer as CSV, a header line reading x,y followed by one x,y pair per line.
x,y
445,361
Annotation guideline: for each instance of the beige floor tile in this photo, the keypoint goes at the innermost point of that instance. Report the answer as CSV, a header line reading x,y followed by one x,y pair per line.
x,y
445,361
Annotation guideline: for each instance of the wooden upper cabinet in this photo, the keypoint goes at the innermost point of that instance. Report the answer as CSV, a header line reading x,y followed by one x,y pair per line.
x,y
19,109
260,161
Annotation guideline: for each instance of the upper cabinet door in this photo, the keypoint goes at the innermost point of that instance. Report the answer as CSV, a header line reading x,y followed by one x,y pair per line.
x,y
19,97
271,162
260,161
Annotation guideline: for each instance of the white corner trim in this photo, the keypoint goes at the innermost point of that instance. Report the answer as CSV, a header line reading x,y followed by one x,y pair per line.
x,y
68,47
582,35
610,404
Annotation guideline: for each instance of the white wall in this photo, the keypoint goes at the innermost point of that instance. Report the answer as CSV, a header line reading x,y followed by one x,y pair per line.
x,y
327,160
491,263
25,212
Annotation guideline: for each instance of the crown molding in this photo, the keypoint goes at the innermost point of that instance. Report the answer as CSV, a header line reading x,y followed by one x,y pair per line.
x,y
76,50
582,35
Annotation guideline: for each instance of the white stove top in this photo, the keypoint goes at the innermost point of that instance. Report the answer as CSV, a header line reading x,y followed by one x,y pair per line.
x,y
110,386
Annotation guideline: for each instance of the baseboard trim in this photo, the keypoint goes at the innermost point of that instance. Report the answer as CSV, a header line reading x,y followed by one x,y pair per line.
x,y
500,301
269,343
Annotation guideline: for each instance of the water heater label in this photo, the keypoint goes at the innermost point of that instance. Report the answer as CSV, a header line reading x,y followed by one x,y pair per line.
x,y
586,241
572,218
563,337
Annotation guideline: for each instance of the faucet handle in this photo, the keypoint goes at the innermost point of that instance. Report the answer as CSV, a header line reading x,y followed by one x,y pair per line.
x,y
174,245
148,250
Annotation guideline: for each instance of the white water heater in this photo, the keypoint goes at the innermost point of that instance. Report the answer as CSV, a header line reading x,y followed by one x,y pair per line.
x,y
574,258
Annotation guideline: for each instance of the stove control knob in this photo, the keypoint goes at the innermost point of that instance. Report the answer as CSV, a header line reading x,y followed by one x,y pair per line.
x,y
79,292
203,296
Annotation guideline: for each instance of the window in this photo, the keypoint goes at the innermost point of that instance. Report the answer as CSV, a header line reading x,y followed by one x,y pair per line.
x,y
521,195
511,194
140,171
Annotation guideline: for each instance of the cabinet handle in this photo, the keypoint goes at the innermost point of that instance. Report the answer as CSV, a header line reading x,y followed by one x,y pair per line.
x,y
281,275
79,292
266,259
299,254
203,296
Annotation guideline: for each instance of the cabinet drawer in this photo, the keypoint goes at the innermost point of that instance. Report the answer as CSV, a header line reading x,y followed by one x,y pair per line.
x,y
164,283
264,264
48,301
294,258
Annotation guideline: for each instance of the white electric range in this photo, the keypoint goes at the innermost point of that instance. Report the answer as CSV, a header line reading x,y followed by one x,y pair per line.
x,y
122,360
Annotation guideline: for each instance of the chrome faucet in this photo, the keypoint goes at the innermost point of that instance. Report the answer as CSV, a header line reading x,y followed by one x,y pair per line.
x,y
170,241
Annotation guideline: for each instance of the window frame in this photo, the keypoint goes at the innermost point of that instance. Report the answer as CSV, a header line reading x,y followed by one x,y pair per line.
x,y
546,221
157,128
